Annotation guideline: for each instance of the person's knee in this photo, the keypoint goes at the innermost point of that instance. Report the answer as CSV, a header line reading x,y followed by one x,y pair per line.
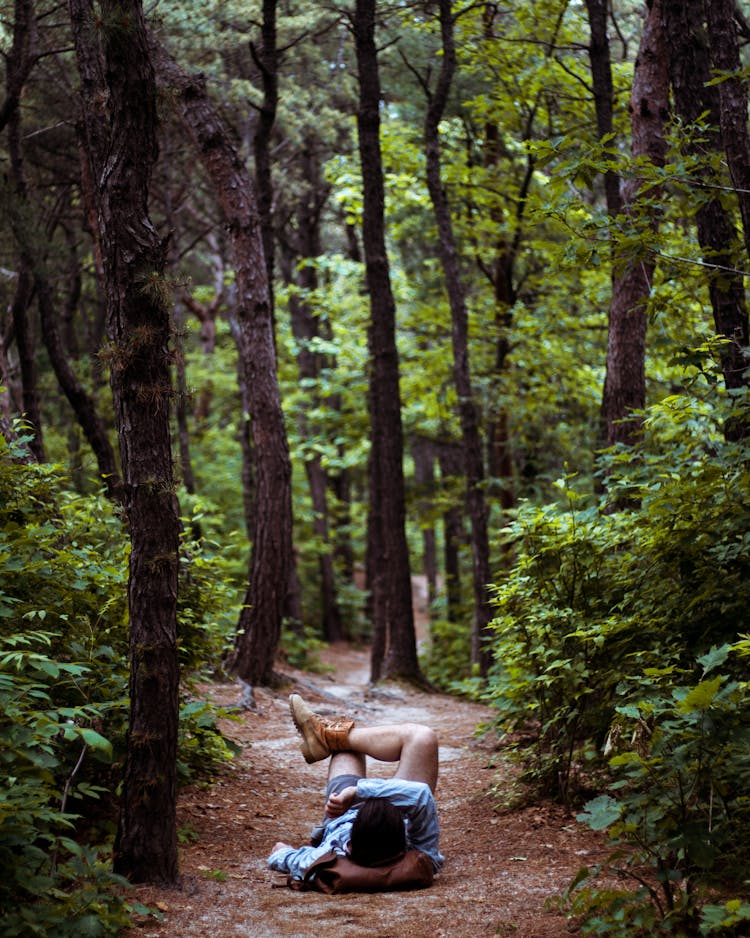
x,y
424,737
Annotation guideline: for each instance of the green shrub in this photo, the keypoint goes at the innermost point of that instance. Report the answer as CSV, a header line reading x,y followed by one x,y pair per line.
x,y
597,596
49,883
63,694
446,659
677,810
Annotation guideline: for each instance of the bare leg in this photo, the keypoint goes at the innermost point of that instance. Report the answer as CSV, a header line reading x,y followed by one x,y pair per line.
x,y
413,746
346,763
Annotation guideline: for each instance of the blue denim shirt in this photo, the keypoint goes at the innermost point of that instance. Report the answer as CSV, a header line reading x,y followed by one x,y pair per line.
x,y
413,798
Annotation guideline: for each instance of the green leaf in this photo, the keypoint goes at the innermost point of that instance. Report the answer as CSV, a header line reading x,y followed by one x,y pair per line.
x,y
95,740
599,813
701,696
714,658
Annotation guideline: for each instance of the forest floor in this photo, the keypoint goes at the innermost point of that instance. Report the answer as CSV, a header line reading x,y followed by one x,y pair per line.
x,y
501,865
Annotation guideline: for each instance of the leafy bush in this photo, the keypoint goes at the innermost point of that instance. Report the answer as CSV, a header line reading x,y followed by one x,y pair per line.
x,y
678,811
446,659
49,883
558,642
627,625
596,597
202,747
63,694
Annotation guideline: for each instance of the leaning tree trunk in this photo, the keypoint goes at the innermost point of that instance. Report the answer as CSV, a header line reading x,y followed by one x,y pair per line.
x,y
482,634
259,625
119,122
624,393
690,75
388,562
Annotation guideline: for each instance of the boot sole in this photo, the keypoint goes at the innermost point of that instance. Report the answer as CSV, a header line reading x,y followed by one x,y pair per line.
x,y
305,747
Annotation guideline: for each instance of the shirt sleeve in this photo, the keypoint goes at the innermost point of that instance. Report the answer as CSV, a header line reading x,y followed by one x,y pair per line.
x,y
416,801
295,861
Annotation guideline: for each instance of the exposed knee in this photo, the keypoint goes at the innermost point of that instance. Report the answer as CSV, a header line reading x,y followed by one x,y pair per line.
x,y
424,737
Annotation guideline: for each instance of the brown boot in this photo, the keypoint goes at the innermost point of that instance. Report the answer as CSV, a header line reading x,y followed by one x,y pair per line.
x,y
320,737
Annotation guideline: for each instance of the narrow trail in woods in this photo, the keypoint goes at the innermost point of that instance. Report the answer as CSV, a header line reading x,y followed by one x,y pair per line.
x,y
500,867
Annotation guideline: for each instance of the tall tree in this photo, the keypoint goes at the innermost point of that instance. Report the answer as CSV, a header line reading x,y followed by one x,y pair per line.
x,y
259,625
601,74
694,98
118,97
472,442
624,392
19,62
394,650
725,55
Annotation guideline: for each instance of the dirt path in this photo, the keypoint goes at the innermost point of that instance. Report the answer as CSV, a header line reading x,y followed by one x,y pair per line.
x,y
499,868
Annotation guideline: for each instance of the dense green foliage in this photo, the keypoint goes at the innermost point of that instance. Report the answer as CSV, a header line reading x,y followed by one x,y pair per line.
x,y
63,697
621,665
621,579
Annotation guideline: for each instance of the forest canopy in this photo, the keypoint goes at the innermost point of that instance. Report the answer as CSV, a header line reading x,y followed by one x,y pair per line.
x,y
305,305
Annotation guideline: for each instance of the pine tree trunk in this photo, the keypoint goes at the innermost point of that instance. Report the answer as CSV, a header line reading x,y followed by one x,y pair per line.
x,y
388,557
601,74
119,106
725,55
625,382
259,625
690,75
472,444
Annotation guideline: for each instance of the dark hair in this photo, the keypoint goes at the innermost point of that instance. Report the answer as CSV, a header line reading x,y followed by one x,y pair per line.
x,y
378,833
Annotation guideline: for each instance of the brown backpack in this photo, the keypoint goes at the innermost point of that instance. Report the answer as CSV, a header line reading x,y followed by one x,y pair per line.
x,y
334,874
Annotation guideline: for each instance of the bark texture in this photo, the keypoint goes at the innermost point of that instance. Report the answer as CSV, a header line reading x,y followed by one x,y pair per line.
x,y
472,443
601,75
119,124
259,626
690,74
725,55
625,383
395,647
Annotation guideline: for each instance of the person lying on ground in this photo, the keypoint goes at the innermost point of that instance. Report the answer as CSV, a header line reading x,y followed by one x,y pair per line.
x,y
370,820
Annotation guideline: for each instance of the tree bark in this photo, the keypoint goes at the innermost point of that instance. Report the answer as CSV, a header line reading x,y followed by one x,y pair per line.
x,y
19,63
119,118
472,444
27,360
259,625
601,74
267,60
395,649
690,74
725,55
625,382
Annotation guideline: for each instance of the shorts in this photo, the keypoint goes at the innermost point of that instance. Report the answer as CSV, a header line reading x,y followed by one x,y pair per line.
x,y
339,782
334,787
